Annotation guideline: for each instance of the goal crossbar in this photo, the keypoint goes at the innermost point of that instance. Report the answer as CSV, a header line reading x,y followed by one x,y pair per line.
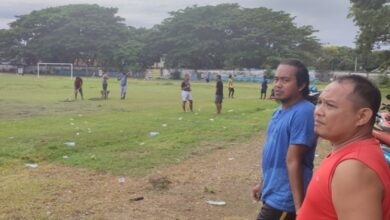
x,y
58,64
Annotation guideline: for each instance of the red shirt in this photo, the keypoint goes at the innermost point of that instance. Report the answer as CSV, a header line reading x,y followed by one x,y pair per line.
x,y
318,201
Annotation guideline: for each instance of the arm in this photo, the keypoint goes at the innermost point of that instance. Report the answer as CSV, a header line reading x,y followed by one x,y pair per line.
x,y
295,172
357,192
256,191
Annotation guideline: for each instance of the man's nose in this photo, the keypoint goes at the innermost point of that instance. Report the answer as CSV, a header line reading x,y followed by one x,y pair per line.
x,y
318,110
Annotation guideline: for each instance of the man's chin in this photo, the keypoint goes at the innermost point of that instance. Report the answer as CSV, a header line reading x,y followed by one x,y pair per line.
x,y
279,99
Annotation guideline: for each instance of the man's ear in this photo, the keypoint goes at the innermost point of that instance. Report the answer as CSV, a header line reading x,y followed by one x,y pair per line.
x,y
302,87
363,116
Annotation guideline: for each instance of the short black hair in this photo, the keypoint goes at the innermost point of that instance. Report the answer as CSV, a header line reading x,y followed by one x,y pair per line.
x,y
302,74
366,91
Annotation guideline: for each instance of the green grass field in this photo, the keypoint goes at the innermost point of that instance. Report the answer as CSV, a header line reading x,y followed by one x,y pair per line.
x,y
38,116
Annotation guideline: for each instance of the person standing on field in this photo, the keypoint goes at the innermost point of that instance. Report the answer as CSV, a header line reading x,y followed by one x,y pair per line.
x,y
186,92
123,81
105,85
218,94
78,87
231,87
288,151
353,181
264,87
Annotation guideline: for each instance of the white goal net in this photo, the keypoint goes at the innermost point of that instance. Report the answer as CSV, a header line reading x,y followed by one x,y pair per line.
x,y
41,66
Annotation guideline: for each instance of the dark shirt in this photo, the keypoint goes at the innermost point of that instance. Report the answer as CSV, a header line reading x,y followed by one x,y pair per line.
x,y
219,88
78,83
185,86
264,85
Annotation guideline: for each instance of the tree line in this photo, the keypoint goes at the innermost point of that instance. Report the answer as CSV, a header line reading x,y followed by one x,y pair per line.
x,y
224,36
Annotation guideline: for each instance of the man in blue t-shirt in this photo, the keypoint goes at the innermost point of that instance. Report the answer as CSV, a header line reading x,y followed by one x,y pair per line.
x,y
288,151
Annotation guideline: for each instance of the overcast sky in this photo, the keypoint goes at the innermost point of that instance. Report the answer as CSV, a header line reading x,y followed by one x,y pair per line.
x,y
329,17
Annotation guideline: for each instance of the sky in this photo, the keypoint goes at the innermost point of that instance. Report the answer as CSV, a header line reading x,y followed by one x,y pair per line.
x,y
329,17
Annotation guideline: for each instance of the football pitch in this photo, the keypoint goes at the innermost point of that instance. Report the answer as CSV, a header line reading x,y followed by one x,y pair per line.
x,y
40,122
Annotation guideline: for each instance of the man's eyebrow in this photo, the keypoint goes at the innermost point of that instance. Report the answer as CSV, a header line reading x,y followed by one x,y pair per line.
x,y
330,99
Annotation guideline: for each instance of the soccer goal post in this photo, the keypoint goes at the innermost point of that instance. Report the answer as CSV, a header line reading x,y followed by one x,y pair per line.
x,y
56,64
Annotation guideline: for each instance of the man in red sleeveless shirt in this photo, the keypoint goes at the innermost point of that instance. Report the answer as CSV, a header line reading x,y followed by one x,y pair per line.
x,y
353,181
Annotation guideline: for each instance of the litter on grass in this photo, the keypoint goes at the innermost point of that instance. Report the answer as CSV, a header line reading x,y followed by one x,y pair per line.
x,y
180,118
70,144
211,119
72,124
142,143
121,179
218,203
139,198
65,157
31,165
164,125
77,133
231,110
153,133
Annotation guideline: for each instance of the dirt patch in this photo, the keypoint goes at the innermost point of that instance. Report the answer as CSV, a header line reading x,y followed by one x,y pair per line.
x,y
177,192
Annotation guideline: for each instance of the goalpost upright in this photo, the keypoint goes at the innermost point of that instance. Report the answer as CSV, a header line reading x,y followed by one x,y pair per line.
x,y
59,64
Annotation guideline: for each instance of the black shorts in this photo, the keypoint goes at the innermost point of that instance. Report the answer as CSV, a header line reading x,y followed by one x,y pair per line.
x,y
269,213
263,91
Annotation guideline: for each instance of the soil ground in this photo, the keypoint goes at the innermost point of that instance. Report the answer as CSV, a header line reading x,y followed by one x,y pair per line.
x,y
177,192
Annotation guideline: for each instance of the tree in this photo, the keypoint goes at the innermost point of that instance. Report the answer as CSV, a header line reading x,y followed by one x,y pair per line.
x,y
372,17
68,33
336,58
228,36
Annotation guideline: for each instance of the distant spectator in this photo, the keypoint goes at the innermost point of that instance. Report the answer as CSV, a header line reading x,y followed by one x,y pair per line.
x,y
186,92
231,87
78,87
264,87
105,86
219,94
123,79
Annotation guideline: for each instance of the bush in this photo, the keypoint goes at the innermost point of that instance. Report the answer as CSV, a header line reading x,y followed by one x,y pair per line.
x,y
383,79
175,75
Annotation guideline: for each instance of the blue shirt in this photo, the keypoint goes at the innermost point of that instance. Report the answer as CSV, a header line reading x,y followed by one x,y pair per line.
x,y
294,125
264,84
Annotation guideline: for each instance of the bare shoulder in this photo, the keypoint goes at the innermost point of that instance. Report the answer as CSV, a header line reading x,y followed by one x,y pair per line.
x,y
357,191
355,173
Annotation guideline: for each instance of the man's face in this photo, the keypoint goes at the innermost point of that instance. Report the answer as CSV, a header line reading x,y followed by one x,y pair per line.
x,y
286,86
335,114
186,77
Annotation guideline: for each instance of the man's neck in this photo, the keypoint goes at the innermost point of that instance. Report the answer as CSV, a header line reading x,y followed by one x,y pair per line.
x,y
288,103
358,136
